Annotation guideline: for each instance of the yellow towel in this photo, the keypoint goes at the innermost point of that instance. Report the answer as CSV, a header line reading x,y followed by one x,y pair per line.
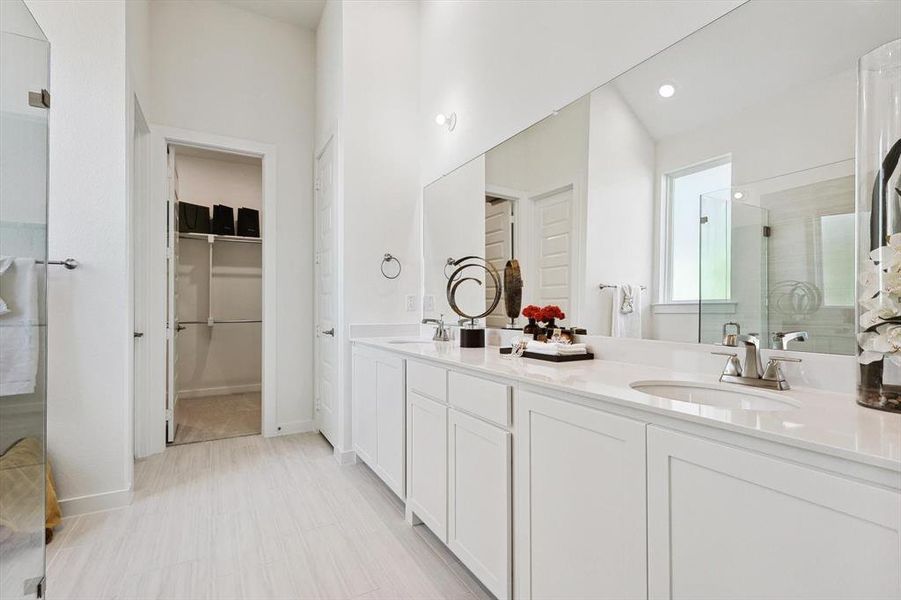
x,y
20,469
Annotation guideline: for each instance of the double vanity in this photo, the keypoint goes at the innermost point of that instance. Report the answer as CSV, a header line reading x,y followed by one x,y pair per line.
x,y
605,479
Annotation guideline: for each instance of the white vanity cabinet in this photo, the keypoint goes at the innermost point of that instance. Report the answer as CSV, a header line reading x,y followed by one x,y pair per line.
x,y
725,522
427,462
379,414
579,527
480,495
459,468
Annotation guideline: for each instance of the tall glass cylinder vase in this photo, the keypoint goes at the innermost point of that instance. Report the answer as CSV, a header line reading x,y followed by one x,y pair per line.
x,y
879,228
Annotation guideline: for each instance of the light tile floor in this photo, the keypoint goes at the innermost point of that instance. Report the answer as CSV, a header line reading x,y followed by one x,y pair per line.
x,y
217,417
253,517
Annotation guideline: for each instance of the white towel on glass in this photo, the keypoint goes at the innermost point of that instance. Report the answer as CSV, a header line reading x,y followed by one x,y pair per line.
x,y
19,326
626,312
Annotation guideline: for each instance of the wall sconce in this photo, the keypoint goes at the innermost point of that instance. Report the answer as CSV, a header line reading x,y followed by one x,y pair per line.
x,y
449,121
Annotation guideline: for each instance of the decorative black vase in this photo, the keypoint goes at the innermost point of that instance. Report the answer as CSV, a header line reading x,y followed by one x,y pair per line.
x,y
531,327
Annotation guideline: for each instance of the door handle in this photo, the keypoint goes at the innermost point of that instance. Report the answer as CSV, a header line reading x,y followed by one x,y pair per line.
x,y
139,334
179,327
330,332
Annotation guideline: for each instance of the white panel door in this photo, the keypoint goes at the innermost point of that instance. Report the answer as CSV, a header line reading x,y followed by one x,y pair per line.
x,y
728,523
427,462
498,250
173,327
579,502
480,500
552,249
391,409
365,406
326,366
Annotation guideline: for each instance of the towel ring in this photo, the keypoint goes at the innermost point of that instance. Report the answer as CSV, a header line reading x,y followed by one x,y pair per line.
x,y
387,259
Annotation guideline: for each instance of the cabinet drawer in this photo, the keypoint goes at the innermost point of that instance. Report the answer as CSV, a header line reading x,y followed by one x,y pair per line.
x,y
427,380
483,398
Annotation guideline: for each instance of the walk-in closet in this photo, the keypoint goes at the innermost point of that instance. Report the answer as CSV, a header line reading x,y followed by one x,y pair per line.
x,y
216,295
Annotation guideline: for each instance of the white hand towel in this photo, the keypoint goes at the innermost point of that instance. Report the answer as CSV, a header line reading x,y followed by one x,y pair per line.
x,y
626,311
19,328
556,349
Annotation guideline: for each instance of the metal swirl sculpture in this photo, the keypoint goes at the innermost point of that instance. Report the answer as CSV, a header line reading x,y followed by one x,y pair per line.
x,y
457,278
796,299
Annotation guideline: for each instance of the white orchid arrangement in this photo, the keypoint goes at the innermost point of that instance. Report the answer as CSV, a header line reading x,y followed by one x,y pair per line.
x,y
880,299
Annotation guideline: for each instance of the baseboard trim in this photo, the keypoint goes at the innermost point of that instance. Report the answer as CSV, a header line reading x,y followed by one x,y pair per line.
x,y
345,457
221,391
296,427
95,502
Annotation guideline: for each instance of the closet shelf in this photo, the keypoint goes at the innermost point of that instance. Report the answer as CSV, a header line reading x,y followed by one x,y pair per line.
x,y
213,237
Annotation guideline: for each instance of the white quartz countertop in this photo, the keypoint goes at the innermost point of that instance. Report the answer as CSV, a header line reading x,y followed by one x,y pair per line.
x,y
825,422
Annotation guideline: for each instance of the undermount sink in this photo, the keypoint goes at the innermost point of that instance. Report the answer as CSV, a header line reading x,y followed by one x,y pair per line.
x,y
723,395
409,342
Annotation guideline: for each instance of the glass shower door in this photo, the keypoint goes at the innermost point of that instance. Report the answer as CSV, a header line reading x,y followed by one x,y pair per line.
x,y
733,269
24,75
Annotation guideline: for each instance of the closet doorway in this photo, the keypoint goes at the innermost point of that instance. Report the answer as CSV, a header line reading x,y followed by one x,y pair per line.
x,y
215,294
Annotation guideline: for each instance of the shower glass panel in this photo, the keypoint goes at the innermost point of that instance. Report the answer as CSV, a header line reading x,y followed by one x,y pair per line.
x,y
783,247
733,266
24,68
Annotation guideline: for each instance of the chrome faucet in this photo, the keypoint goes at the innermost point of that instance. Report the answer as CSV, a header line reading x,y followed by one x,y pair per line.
x,y
441,334
782,338
750,374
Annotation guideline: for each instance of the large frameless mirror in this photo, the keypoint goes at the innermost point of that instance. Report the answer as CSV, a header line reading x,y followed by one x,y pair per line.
x,y
712,186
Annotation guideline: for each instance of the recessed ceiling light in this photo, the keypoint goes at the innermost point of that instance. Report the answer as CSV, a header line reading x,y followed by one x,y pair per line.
x,y
667,90
738,195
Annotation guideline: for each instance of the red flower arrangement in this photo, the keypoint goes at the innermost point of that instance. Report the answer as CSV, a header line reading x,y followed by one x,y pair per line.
x,y
532,312
551,312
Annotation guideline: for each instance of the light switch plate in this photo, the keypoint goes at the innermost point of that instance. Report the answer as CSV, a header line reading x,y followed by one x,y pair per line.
x,y
428,303
411,303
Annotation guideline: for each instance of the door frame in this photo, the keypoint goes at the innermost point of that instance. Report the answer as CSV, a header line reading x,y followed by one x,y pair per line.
x,y
150,419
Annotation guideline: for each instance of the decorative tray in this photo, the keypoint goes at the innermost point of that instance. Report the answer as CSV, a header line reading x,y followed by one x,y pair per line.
x,y
551,357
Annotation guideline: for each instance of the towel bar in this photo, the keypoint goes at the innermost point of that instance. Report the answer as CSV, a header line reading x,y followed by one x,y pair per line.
x,y
604,286
69,263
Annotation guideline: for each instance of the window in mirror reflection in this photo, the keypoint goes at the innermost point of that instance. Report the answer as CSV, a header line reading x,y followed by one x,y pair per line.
x,y
837,239
685,249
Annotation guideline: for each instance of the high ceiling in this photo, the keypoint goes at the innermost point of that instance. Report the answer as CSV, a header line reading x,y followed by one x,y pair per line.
x,y
751,55
304,13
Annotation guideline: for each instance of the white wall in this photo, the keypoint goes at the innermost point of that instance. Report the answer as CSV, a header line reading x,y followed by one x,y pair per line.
x,y
620,219
222,70
367,98
502,66
88,404
210,181
454,226
224,358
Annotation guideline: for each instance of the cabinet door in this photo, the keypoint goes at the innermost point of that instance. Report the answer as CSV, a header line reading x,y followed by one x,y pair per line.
x,y
427,462
479,499
579,502
391,409
365,411
729,523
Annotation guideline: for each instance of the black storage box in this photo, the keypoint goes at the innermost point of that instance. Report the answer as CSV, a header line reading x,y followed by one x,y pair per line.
x,y
193,218
223,220
248,222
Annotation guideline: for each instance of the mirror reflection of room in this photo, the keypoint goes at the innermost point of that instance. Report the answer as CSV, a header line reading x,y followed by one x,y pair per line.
x,y
714,181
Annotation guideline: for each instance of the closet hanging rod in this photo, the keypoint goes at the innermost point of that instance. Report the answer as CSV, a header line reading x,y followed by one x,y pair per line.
x,y
214,237
220,322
